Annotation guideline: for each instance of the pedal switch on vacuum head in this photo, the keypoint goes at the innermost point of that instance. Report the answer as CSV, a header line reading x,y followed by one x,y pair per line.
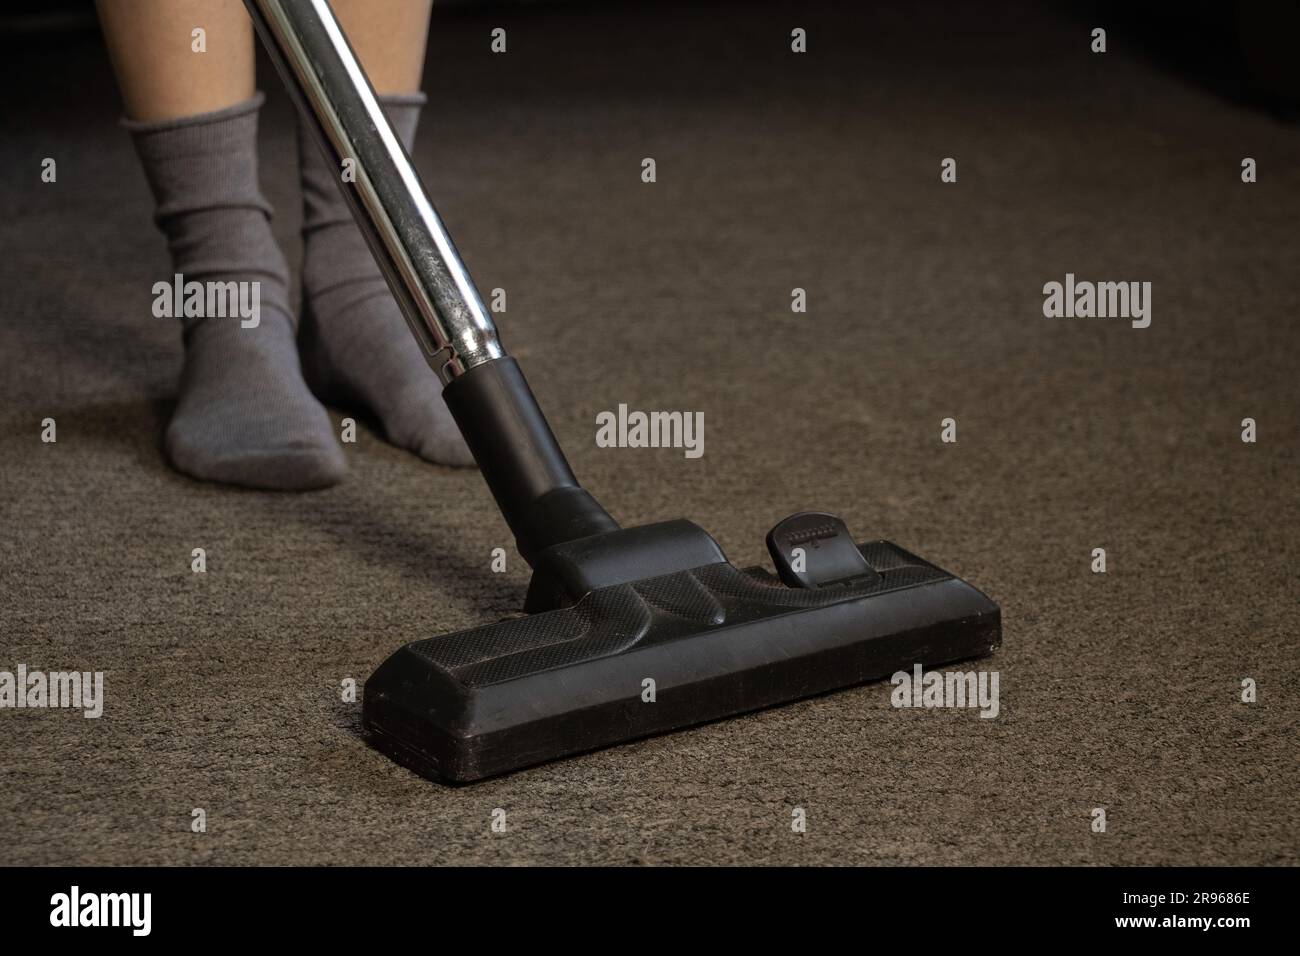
x,y
813,549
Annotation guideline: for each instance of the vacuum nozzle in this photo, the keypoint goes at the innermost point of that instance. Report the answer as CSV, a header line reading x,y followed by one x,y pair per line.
x,y
661,652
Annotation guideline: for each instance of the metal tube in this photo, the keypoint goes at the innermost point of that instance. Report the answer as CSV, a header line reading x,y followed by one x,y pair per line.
x,y
428,279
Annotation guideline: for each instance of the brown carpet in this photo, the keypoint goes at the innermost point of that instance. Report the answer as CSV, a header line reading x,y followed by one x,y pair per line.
x,y
819,171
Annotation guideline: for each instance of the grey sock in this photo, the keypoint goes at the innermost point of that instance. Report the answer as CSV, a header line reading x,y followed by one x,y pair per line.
x,y
356,348
244,414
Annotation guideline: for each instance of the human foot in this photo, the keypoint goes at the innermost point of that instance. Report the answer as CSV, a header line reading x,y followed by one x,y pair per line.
x,y
244,414
356,348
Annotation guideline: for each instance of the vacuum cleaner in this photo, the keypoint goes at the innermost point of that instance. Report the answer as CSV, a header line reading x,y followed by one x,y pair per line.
x,y
627,632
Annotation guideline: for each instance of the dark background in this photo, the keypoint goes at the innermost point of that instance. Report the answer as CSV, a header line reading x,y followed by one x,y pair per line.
x,y
775,170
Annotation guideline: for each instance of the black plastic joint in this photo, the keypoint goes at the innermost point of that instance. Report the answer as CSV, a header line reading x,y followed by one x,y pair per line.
x,y
521,460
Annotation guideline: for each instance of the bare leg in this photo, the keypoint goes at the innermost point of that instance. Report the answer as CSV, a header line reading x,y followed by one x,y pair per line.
x,y
389,38
151,44
356,349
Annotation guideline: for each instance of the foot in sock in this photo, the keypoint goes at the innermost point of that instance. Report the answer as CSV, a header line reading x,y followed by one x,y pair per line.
x,y
356,348
244,414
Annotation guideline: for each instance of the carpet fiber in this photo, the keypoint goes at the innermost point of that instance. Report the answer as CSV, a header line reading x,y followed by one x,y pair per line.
x,y
821,171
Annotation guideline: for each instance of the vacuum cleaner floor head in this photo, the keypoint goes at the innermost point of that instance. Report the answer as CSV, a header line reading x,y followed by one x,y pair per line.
x,y
665,652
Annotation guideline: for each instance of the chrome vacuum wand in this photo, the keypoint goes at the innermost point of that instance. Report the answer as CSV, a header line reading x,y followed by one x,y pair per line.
x,y
431,284
496,411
